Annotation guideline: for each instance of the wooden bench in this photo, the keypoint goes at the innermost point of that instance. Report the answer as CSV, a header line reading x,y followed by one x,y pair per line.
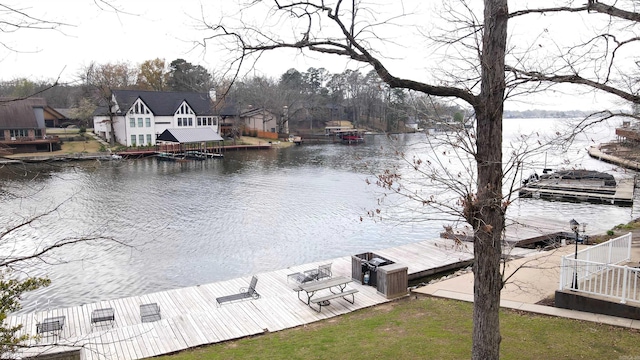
x,y
324,300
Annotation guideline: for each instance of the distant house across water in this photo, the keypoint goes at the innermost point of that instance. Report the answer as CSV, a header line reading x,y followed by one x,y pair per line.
x,y
22,126
140,116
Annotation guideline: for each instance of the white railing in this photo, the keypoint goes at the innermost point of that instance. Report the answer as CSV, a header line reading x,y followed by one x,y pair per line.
x,y
596,271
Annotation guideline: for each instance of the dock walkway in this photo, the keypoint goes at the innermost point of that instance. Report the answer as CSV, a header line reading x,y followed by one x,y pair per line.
x,y
190,317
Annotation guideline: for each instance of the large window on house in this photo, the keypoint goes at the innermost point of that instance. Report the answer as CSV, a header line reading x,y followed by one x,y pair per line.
x,y
139,108
132,122
190,121
200,121
148,139
147,122
141,139
140,123
133,140
18,133
184,109
179,121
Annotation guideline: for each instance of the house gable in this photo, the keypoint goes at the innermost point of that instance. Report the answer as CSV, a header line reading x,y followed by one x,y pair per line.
x,y
139,108
165,103
184,109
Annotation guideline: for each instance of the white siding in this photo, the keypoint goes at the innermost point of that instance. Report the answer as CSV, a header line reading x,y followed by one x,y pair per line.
x,y
158,124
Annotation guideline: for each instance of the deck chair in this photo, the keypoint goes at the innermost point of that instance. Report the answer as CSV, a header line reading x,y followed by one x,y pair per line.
x,y
324,272
245,293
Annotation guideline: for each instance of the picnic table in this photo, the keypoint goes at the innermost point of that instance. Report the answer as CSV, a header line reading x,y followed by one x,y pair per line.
x,y
311,288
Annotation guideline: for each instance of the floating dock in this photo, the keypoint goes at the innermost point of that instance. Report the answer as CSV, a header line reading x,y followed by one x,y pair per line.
x,y
577,191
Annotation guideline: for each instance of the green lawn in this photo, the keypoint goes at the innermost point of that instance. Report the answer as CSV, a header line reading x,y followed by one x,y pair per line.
x,y
428,328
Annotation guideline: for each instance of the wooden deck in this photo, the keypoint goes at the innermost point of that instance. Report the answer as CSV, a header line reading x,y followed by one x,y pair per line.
x,y
191,318
522,234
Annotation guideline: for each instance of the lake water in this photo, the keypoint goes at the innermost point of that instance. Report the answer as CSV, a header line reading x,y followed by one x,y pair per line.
x,y
191,223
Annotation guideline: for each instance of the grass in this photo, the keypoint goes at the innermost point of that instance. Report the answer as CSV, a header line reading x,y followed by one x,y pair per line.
x,y
88,146
620,229
427,328
632,225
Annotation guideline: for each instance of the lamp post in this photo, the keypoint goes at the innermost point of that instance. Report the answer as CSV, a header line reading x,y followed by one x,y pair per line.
x,y
575,228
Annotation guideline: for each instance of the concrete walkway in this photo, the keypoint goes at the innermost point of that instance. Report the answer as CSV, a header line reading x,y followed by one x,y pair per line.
x,y
536,279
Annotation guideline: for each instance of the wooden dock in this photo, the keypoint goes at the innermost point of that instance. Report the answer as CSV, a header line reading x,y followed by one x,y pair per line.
x,y
621,195
190,317
534,230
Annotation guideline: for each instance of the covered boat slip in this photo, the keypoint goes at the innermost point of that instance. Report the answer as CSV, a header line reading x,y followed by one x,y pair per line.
x,y
190,317
189,144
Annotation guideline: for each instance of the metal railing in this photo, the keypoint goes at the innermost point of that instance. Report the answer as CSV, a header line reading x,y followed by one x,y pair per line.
x,y
596,271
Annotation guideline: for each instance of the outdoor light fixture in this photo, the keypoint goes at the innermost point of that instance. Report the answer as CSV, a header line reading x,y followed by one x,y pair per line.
x,y
575,226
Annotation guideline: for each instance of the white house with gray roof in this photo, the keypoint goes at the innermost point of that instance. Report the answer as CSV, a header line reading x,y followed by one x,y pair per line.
x,y
140,116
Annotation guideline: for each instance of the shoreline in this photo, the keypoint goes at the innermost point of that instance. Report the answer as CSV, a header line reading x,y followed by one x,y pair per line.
x,y
245,143
615,153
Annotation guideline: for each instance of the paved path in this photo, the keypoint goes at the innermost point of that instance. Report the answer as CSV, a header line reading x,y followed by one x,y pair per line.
x,y
537,278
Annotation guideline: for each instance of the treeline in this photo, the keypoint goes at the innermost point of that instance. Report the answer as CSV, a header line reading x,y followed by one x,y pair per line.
x,y
541,114
307,99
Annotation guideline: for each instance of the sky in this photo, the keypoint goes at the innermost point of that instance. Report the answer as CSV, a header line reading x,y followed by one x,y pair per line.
x,y
148,29
141,30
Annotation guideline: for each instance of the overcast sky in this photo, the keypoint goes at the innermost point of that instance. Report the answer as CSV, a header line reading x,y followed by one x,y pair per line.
x,y
149,29
141,30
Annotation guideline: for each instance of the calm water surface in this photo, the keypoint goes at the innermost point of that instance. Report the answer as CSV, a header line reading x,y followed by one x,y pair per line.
x,y
191,223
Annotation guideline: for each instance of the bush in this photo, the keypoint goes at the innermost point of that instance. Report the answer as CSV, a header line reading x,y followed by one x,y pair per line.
x,y
610,232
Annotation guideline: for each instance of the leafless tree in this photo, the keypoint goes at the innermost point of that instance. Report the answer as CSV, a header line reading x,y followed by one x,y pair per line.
x,y
347,29
100,79
602,54
473,69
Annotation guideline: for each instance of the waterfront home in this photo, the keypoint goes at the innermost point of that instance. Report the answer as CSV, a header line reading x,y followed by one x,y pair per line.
x,y
335,126
138,117
236,119
22,126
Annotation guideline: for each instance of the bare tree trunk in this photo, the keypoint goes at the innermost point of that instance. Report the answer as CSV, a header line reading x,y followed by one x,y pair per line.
x,y
112,137
485,212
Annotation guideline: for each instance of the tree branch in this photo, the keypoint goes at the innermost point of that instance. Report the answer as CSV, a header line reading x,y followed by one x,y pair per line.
x,y
572,79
